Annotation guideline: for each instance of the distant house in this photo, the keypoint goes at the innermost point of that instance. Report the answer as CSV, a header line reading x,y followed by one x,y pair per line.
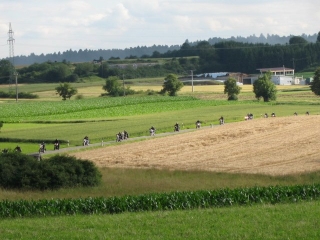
x,y
95,61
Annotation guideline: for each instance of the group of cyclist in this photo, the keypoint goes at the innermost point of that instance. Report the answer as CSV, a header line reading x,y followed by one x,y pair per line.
x,y
176,127
273,114
296,114
124,135
42,146
249,116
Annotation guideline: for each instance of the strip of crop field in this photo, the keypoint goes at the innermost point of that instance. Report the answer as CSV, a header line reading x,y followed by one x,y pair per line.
x,y
103,107
99,107
161,201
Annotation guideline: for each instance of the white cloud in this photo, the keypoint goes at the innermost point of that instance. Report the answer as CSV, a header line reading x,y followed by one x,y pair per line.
x,y
55,25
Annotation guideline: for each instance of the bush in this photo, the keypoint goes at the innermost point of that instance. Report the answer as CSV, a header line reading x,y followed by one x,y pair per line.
x,y
151,92
20,95
79,96
233,97
21,171
27,95
203,83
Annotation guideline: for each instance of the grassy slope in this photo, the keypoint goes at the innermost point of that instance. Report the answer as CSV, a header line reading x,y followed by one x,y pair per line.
x,y
282,221
288,221
120,182
138,125
290,99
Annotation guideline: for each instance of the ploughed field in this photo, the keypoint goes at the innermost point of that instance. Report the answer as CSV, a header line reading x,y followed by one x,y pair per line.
x,y
272,146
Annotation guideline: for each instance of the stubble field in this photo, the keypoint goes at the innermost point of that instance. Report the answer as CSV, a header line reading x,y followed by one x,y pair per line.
x,y
272,146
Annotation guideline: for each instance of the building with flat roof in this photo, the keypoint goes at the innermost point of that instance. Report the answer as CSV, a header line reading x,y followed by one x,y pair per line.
x,y
279,76
278,71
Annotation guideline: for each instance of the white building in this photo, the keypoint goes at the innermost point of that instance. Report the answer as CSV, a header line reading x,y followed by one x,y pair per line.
x,y
279,76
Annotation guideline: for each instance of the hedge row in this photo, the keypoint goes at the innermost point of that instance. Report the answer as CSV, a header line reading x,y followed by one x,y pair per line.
x,y
38,141
20,95
20,171
161,201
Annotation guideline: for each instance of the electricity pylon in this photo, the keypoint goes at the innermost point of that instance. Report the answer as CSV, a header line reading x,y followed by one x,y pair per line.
x,y
13,73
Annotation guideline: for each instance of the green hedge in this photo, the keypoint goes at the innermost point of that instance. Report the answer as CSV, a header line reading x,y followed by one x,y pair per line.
x,y
20,171
20,95
161,201
21,140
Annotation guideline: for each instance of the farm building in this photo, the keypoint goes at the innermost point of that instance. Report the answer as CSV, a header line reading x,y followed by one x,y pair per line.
x,y
279,76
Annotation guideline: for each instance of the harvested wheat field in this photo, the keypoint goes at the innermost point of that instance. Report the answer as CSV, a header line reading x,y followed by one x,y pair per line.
x,y
273,146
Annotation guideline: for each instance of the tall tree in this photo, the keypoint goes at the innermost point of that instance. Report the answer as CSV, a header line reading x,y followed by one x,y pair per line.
x,y
56,73
83,69
315,84
265,88
297,40
65,90
318,37
113,86
231,88
171,85
5,71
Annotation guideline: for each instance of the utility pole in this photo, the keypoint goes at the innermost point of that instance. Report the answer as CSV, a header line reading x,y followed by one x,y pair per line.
x,y
13,72
192,79
101,70
294,78
293,63
124,91
16,78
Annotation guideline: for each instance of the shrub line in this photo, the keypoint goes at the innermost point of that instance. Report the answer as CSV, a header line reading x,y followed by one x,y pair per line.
x,y
161,201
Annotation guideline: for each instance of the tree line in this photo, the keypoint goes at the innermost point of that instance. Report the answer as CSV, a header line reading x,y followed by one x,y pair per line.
x,y
54,72
86,55
229,56
232,56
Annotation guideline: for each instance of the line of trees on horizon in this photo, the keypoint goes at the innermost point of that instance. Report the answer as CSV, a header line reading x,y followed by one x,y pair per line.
x,y
86,55
228,56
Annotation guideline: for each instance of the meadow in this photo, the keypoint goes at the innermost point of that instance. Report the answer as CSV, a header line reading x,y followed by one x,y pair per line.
x,y
29,122
283,221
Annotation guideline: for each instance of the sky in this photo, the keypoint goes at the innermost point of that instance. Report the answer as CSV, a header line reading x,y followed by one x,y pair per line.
x,y
48,26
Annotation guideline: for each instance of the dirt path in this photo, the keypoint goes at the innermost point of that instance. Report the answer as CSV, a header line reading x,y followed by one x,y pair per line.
x,y
274,146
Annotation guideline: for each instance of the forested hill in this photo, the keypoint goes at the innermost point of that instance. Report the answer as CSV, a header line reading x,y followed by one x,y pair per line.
x,y
203,57
269,39
88,55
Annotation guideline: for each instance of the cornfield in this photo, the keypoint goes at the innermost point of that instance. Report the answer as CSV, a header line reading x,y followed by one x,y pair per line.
x,y
161,201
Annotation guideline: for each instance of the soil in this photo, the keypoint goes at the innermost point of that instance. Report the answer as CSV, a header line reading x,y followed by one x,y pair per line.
x,y
272,146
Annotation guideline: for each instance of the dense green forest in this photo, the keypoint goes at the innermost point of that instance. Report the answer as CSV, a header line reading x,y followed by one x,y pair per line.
x,y
247,57
87,55
227,56
51,72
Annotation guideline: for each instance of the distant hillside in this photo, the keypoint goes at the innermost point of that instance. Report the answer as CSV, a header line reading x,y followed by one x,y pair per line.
x,y
270,39
88,55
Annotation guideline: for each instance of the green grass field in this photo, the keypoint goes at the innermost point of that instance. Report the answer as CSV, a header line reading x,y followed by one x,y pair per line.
x,y
48,118
283,221
74,126
27,122
120,182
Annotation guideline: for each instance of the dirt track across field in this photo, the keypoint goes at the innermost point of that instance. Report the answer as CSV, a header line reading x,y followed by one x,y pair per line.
x,y
273,146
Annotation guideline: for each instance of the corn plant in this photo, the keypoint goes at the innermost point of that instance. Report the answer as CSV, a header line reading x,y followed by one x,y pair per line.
x,y
161,201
